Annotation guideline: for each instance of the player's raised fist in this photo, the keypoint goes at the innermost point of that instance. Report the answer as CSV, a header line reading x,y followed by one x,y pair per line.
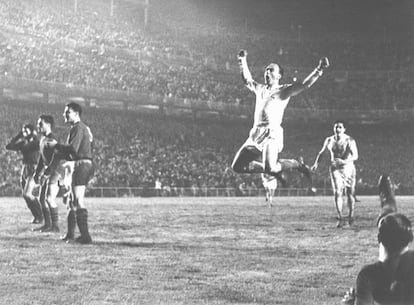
x,y
323,63
242,54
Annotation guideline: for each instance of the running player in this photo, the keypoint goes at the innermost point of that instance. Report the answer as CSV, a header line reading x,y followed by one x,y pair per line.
x,y
27,143
343,153
79,149
47,174
260,152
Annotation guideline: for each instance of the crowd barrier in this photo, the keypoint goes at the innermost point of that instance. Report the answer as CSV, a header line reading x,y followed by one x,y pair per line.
x,y
118,192
196,192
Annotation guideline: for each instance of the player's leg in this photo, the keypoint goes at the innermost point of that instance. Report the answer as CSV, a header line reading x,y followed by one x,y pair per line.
x,y
45,208
270,184
270,197
338,189
24,177
81,176
272,193
339,205
270,162
350,192
81,214
32,201
51,194
265,181
27,199
70,218
299,165
68,201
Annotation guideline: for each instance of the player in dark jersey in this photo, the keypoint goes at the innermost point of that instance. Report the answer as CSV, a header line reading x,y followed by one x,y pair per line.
x,y
78,148
27,143
390,280
47,173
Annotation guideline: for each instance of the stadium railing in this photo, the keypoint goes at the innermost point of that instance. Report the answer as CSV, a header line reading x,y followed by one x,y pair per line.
x,y
196,192
14,191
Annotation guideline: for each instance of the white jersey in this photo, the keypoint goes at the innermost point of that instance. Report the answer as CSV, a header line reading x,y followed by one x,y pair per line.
x,y
270,107
341,148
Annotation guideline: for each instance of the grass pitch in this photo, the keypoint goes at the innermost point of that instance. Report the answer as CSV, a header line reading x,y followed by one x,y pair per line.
x,y
190,251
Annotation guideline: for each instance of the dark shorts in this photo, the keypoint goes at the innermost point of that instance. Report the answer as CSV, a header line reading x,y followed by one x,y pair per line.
x,y
83,172
28,171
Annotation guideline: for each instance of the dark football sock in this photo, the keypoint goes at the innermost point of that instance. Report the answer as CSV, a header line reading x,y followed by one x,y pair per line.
x,y
38,209
54,215
71,218
82,221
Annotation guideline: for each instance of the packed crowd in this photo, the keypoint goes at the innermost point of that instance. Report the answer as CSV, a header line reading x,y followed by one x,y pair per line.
x,y
48,41
133,150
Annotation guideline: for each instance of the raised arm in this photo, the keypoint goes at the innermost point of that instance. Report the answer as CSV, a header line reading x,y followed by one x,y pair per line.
x,y
319,155
16,143
299,87
244,70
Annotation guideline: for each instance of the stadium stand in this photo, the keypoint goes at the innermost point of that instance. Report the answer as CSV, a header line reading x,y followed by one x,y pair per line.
x,y
47,40
85,49
134,149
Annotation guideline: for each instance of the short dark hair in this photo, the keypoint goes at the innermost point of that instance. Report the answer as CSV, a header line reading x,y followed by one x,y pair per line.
x,y
340,122
30,127
395,231
281,70
75,107
47,119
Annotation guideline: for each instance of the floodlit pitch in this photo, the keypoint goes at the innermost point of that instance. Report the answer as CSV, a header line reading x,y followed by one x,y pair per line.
x,y
191,251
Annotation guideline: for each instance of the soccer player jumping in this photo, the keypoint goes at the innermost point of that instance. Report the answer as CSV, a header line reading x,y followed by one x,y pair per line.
x,y
259,154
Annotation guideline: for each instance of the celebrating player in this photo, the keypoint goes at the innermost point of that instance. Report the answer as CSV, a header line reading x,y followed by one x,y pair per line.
x,y
259,154
79,149
343,153
27,143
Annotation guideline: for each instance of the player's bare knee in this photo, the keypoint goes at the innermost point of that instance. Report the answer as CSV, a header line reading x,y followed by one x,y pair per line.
x,y
272,168
51,202
29,197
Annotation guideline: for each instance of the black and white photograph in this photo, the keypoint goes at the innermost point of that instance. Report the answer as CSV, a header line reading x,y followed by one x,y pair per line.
x,y
206,152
